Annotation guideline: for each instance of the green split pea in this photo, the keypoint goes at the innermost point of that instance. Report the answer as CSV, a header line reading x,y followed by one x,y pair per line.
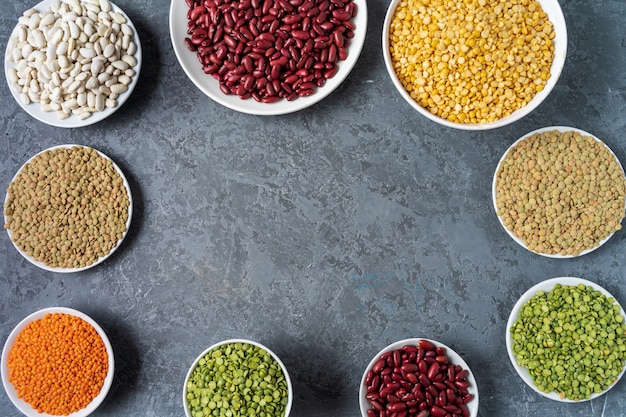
x,y
237,380
572,341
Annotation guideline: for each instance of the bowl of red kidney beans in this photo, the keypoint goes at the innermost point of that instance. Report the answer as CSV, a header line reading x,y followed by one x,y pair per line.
x,y
420,378
268,57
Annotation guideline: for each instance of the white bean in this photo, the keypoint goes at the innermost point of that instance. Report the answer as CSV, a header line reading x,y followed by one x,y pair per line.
x,y
77,57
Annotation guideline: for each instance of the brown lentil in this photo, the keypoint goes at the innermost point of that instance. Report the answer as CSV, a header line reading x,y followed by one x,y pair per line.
x,y
471,61
67,207
560,192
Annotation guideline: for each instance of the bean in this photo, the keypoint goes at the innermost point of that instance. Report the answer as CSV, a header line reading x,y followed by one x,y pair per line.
x,y
64,43
411,380
290,34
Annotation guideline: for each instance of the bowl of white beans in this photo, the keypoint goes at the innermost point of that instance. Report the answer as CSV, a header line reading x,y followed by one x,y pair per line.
x,y
466,65
73,63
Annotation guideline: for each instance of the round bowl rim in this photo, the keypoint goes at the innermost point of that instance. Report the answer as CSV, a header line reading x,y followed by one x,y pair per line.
x,y
239,340
494,182
50,118
26,408
453,356
210,87
555,14
101,259
548,285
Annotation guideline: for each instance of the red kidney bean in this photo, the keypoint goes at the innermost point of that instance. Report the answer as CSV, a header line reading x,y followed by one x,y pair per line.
x,y
436,411
413,376
271,40
396,406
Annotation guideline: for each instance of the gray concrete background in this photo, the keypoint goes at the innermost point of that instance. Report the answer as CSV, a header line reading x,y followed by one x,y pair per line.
x,y
325,234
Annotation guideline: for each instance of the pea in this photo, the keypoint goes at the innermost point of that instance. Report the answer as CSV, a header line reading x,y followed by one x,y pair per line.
x,y
588,359
238,379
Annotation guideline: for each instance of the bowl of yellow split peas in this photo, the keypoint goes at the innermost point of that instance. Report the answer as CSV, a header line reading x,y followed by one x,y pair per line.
x,y
475,65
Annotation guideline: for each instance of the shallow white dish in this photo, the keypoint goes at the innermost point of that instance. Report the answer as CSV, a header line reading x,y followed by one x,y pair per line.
x,y
250,342
453,358
101,259
547,286
50,118
23,406
209,86
555,15
494,182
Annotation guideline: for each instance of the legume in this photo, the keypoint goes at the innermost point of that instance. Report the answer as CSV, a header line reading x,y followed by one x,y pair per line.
x,y
270,49
75,58
471,61
237,379
572,340
58,364
417,381
67,207
560,192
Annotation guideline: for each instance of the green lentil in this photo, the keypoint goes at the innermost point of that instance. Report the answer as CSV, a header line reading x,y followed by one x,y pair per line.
x,y
238,380
67,207
560,192
572,341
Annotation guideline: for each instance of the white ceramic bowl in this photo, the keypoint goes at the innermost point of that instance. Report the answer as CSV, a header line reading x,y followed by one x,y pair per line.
x,y
51,118
42,265
547,286
494,184
209,86
555,15
23,406
232,341
453,358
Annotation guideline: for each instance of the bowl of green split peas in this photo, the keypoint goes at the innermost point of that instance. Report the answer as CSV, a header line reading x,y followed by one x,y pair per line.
x,y
566,338
237,377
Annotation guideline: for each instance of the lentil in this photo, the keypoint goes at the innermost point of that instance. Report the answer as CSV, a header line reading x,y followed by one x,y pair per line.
x,y
560,192
67,207
237,379
572,340
471,61
58,364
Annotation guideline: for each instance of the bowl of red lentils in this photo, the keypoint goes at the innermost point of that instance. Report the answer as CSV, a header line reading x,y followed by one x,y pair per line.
x,y
418,377
474,65
57,361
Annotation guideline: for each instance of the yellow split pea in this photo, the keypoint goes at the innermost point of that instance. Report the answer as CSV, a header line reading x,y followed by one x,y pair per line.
x,y
471,61
560,192
67,207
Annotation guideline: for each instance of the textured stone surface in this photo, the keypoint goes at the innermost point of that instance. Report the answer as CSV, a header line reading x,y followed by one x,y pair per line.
x,y
325,234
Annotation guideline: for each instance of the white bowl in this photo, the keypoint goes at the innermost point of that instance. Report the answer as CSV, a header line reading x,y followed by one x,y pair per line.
x,y
26,408
494,183
547,286
232,341
453,358
42,265
555,15
51,118
210,86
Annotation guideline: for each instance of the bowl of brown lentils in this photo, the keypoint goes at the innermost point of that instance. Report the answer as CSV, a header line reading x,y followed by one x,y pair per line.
x,y
474,65
68,208
560,192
